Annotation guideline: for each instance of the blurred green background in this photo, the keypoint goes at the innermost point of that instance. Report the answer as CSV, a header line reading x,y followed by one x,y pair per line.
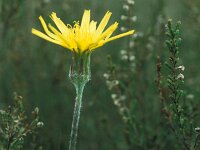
x,y
38,70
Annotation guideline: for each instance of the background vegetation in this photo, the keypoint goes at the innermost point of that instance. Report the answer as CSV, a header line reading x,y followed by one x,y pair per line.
x,y
122,104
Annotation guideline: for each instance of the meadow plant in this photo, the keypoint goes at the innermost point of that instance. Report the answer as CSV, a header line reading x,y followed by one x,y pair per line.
x,y
15,125
81,40
120,78
175,108
132,112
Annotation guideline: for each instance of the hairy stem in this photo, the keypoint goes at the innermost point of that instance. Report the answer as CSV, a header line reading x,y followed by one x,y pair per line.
x,y
79,74
76,117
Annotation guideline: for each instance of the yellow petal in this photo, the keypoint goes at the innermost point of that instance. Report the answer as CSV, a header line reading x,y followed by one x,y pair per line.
x,y
61,38
61,26
119,36
80,37
97,45
93,26
109,31
46,29
102,42
85,19
103,23
44,36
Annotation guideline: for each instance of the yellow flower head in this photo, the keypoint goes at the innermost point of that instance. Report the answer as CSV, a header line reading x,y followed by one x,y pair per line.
x,y
81,37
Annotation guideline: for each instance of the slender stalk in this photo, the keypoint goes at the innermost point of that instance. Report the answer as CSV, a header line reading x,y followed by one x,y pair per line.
x,y
76,117
10,137
196,141
8,145
79,75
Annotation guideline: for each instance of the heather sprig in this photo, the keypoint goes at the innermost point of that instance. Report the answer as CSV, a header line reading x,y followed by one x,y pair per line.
x,y
174,107
120,78
14,125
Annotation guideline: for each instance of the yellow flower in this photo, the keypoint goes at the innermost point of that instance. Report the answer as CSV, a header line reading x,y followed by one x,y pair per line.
x,y
80,38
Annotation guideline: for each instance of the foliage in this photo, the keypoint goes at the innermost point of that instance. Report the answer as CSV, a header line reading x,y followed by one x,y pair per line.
x,y
14,126
129,102
175,108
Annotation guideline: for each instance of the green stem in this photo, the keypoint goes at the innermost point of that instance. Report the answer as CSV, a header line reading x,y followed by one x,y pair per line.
x,y
79,75
8,145
76,117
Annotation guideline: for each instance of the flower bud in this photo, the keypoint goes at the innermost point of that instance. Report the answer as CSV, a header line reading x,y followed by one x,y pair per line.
x,y
180,76
130,2
131,44
113,96
40,124
106,76
124,57
124,17
190,96
123,29
134,18
132,58
123,52
197,129
126,7
182,68
117,102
